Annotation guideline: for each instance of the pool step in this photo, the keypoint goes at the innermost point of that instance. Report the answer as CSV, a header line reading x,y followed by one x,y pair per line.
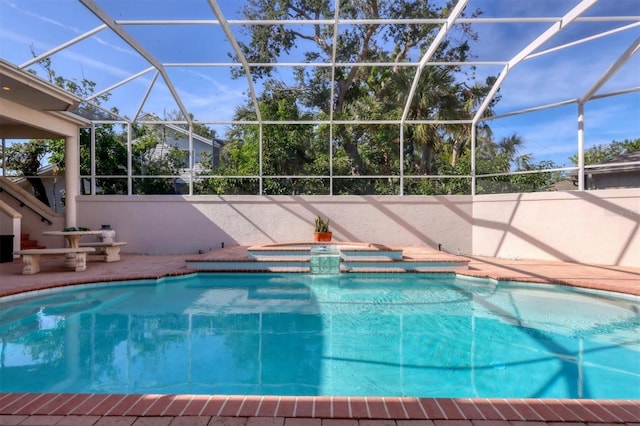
x,y
250,265
356,254
345,266
279,255
349,251
402,266
353,258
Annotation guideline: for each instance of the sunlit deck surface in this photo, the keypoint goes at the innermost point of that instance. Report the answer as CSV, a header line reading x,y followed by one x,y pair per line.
x,y
70,409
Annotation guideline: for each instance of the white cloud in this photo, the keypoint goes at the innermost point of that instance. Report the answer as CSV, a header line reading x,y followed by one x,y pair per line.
x,y
210,94
28,12
553,133
70,28
557,76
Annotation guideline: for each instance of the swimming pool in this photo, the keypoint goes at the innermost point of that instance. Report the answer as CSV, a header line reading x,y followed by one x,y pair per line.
x,y
297,334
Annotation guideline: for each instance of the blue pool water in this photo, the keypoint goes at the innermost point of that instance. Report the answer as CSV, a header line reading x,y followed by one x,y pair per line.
x,y
296,334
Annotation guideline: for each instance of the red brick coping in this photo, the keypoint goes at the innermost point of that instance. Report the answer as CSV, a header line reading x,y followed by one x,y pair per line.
x,y
393,408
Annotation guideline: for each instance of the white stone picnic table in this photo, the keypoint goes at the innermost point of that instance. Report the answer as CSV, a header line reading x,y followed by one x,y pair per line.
x,y
73,239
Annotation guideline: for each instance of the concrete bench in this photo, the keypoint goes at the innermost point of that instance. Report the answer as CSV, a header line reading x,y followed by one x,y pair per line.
x,y
110,251
74,257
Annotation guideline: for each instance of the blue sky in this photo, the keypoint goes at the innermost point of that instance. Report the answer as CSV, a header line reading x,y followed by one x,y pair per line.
x,y
210,94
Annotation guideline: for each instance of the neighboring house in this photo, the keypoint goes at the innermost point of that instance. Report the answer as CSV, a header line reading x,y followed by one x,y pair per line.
x,y
620,176
619,172
173,136
176,136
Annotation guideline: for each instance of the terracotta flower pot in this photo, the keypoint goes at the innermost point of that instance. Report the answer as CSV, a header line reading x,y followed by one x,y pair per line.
x,y
322,236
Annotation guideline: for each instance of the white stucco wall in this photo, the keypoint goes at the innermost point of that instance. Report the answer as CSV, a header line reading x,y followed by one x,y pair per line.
x,y
183,224
601,227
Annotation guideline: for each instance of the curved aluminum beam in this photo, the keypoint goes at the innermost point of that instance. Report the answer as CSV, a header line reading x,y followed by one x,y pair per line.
x,y
63,46
623,59
567,19
131,41
451,20
120,83
236,48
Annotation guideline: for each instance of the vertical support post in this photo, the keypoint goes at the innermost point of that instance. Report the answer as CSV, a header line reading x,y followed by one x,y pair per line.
x,y
129,160
191,159
473,158
92,160
260,158
401,156
331,158
16,227
580,146
72,178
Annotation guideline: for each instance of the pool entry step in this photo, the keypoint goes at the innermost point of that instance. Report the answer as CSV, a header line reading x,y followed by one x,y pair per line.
x,y
325,259
331,258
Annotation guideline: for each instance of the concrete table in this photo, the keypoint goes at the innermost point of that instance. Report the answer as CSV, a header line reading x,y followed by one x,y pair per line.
x,y
73,240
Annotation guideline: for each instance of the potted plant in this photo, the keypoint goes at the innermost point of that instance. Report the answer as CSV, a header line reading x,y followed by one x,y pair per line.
x,y
321,231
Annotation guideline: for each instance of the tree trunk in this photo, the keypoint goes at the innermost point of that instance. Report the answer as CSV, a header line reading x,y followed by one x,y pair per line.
x,y
426,159
458,144
352,151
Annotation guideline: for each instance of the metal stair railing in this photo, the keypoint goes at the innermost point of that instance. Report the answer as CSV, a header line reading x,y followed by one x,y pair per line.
x,y
22,197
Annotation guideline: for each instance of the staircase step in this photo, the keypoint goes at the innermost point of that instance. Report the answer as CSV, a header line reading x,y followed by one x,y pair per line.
x,y
32,245
27,243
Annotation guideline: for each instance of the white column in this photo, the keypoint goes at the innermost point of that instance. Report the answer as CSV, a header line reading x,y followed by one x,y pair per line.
x,y
72,178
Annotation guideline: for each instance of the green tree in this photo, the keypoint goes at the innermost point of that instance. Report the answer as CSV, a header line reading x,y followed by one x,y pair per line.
x,y
504,156
371,90
602,153
110,159
25,158
288,150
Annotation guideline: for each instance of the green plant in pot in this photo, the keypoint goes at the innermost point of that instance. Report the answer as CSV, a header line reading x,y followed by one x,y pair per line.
x,y
321,231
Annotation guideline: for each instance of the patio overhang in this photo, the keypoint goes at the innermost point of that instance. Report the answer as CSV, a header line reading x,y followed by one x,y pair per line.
x,y
34,108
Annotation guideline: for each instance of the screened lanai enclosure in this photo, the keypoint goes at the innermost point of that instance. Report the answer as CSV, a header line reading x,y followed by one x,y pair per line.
x,y
447,123
337,97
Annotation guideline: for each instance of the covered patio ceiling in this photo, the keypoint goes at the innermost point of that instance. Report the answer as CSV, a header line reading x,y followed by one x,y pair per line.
x,y
19,88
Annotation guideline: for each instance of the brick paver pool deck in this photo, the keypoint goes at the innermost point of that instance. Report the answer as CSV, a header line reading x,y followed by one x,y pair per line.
x,y
140,410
